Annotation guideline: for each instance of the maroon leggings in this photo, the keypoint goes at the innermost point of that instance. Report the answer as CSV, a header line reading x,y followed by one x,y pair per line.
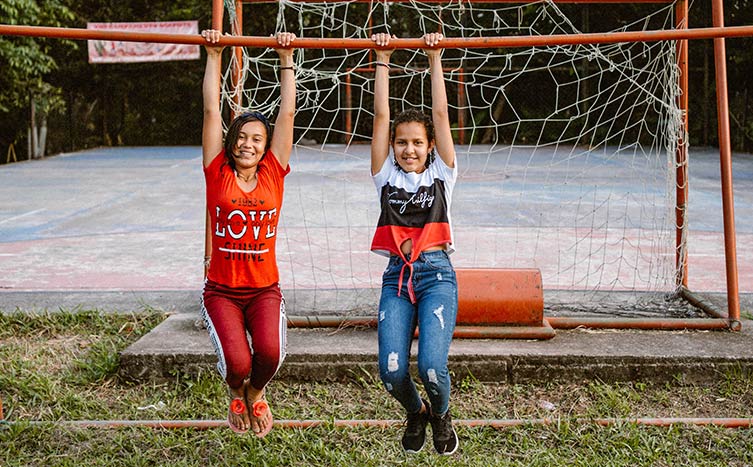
x,y
228,313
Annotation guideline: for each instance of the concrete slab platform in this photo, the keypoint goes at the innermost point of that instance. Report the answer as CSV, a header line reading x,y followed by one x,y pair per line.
x,y
177,345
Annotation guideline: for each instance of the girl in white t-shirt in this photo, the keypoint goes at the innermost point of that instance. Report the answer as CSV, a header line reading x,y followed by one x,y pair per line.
x,y
419,287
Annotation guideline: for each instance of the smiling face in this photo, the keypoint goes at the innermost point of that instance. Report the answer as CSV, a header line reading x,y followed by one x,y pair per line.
x,y
250,145
411,146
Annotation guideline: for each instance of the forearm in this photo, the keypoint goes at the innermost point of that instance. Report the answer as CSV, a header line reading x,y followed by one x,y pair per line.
x,y
438,90
382,87
287,89
439,107
212,81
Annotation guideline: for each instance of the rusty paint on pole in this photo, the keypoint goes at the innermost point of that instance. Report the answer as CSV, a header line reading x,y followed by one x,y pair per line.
x,y
418,43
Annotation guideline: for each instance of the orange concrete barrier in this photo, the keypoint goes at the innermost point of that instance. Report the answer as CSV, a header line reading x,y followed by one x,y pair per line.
x,y
500,297
492,304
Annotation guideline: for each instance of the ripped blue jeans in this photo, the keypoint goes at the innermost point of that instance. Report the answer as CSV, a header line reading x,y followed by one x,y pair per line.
x,y
435,310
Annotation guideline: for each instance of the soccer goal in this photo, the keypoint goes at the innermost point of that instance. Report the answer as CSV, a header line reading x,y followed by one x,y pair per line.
x,y
570,119
572,156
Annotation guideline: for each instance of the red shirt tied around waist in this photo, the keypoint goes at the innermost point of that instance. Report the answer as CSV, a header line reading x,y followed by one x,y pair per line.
x,y
244,225
415,206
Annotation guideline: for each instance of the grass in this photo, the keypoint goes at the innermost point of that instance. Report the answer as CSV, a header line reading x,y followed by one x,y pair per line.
x,y
63,366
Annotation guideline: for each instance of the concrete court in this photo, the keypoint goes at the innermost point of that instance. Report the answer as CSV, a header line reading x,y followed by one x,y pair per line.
x,y
122,229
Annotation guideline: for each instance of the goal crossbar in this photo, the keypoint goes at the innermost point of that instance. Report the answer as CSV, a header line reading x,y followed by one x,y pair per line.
x,y
398,43
479,2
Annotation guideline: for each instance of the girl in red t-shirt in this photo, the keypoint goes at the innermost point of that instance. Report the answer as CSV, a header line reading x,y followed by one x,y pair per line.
x,y
245,178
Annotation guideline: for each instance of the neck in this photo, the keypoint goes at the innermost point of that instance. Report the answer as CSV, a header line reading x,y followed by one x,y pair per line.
x,y
246,175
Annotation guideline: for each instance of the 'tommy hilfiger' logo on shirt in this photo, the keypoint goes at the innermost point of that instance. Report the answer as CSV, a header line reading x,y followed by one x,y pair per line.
x,y
413,209
421,199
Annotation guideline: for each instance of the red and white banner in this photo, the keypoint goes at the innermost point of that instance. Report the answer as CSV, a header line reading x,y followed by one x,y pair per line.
x,y
128,52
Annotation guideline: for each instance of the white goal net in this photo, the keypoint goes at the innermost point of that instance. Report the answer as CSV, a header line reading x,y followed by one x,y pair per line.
x,y
567,153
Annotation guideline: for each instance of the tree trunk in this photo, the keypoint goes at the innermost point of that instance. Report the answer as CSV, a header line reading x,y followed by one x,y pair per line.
x,y
42,140
33,129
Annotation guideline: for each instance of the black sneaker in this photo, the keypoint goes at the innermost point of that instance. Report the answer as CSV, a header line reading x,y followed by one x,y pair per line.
x,y
443,434
415,432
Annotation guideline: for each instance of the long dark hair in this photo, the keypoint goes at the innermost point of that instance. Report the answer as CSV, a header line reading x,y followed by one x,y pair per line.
x,y
413,115
231,137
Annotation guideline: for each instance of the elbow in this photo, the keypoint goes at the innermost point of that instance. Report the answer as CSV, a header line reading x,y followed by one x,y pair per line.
x,y
287,114
440,112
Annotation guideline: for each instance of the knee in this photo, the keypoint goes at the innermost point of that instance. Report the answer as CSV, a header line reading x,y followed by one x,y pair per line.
x,y
238,366
392,379
432,372
392,370
267,357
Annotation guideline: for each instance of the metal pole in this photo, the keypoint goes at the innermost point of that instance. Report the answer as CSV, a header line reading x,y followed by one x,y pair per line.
x,y
543,332
460,104
348,110
644,324
367,423
485,1
399,43
681,156
238,65
725,155
218,9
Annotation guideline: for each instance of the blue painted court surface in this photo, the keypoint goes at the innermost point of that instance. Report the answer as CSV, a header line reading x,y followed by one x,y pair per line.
x,y
133,218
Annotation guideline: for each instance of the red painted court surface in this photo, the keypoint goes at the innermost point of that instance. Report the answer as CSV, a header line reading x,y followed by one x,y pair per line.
x,y
133,219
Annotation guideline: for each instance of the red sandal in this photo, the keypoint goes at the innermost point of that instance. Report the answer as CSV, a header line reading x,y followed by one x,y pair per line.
x,y
237,406
258,410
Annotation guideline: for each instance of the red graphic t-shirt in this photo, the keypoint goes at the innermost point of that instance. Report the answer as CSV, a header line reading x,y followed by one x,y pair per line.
x,y
244,225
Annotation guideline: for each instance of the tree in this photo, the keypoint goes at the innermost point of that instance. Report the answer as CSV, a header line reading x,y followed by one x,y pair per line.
x,y
156,103
25,63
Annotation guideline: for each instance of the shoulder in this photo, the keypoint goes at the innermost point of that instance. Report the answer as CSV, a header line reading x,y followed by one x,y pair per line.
x,y
217,163
387,172
271,163
439,168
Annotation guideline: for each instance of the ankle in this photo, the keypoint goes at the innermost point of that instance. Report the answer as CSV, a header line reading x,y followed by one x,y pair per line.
x,y
236,393
253,394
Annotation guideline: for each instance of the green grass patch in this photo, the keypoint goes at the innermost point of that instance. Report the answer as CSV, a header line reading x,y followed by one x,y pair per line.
x,y
63,366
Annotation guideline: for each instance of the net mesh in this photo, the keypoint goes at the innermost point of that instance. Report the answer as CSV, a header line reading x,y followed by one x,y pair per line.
x,y
566,153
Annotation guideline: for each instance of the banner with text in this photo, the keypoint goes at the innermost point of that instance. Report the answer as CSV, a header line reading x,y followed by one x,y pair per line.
x,y
128,52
